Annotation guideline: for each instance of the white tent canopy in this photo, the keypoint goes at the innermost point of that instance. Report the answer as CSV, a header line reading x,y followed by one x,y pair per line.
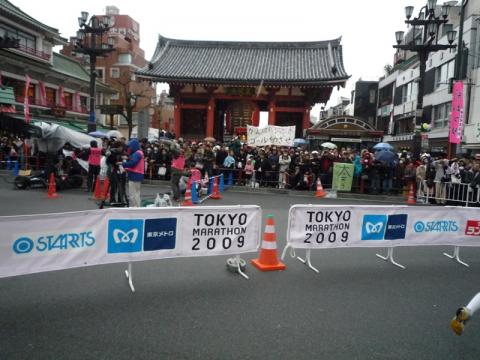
x,y
54,137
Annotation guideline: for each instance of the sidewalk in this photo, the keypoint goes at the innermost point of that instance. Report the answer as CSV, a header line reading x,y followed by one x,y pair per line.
x,y
340,195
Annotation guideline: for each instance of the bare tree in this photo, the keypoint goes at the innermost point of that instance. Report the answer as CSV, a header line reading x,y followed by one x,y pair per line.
x,y
388,69
124,85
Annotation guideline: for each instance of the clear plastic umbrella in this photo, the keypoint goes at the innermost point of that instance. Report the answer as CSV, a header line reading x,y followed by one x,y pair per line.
x,y
329,145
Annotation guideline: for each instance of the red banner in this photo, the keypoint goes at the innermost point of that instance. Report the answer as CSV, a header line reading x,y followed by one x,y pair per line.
x,y
457,114
61,96
77,106
43,94
26,103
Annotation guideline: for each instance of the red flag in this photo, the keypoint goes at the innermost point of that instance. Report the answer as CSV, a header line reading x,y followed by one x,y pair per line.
x,y
77,106
61,96
26,103
43,93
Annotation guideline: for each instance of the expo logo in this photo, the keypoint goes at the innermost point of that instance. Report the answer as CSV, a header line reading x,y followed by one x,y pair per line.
x,y
383,227
128,235
473,228
53,242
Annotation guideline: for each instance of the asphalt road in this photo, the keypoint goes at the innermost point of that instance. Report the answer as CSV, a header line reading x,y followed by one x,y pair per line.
x,y
358,307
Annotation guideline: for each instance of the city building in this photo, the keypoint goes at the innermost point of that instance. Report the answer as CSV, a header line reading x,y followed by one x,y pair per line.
x,y
220,87
117,69
365,100
58,86
397,99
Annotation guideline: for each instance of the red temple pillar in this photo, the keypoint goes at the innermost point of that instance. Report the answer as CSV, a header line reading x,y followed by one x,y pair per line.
x,y
272,113
255,117
210,117
306,118
177,119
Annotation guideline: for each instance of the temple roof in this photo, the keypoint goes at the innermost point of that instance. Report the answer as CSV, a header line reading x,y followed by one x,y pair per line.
x,y
274,63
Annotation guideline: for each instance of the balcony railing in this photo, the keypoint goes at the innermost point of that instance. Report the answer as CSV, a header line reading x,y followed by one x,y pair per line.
x,y
41,54
83,108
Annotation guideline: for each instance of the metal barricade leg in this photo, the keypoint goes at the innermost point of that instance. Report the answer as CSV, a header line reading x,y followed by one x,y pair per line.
x,y
129,275
239,268
456,256
308,261
390,259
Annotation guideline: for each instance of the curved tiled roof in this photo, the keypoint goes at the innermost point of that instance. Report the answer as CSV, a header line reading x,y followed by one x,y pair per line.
x,y
318,62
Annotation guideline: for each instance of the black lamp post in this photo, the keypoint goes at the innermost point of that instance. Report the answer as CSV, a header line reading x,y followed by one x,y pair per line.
x,y
89,41
426,27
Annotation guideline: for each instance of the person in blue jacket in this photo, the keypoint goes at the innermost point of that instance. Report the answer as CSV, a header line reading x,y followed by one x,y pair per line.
x,y
135,167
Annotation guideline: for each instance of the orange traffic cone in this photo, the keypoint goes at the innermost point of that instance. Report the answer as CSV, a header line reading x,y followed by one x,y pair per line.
x,y
216,194
52,188
411,197
188,194
97,195
268,260
106,189
320,192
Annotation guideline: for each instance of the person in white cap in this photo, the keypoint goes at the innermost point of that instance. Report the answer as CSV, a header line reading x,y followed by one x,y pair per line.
x,y
464,314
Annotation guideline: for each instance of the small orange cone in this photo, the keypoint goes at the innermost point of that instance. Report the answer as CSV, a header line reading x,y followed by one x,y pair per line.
x,y
98,191
216,194
106,189
188,194
411,197
320,192
52,188
268,260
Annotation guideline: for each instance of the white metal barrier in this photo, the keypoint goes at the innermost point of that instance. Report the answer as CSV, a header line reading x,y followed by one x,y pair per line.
x,y
125,235
342,226
448,193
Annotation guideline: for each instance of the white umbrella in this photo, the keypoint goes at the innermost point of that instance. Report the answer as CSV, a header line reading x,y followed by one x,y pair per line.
x,y
115,133
329,145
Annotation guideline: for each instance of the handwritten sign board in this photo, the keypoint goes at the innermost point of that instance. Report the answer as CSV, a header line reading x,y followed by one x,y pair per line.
x,y
270,135
342,176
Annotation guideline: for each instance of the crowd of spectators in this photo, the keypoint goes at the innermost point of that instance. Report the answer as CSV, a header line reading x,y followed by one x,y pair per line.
x,y
288,167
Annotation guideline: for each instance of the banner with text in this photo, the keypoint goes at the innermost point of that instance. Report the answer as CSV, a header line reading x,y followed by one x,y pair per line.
x,y
84,238
270,135
342,176
323,226
456,116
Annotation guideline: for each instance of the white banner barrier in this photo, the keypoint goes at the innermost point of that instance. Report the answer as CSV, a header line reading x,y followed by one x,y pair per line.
x,y
37,243
332,226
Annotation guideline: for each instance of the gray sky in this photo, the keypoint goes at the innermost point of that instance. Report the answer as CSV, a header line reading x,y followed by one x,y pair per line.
x,y
367,27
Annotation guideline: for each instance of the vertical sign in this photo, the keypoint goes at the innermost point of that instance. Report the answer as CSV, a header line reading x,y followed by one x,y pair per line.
x,y
342,176
143,124
456,117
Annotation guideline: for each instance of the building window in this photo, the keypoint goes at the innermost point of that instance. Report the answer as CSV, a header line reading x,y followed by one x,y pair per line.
x,y
409,92
100,73
114,96
51,96
68,100
443,73
372,97
27,41
124,58
114,73
83,104
441,115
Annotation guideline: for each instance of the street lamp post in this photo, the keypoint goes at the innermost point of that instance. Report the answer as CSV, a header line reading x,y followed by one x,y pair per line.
x,y
427,26
89,41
